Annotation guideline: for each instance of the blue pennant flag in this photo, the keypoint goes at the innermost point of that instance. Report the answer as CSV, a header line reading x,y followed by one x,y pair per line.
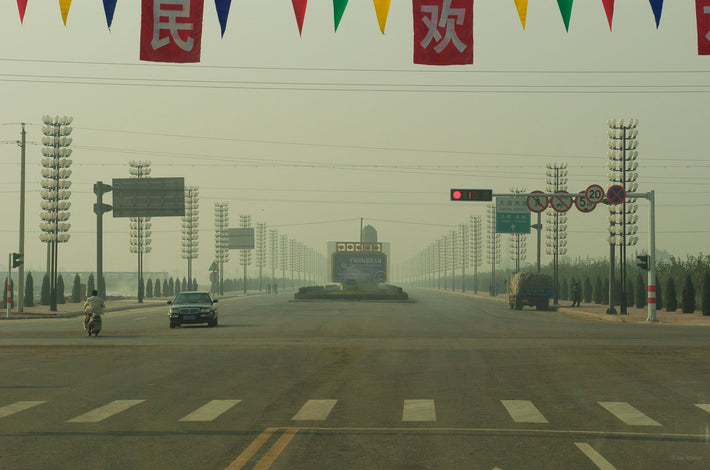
x,y
657,6
109,8
222,12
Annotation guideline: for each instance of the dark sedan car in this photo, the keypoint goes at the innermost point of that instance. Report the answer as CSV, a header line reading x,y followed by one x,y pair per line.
x,y
193,308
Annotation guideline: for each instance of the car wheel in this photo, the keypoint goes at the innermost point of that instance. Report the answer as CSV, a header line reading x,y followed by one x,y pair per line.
x,y
172,325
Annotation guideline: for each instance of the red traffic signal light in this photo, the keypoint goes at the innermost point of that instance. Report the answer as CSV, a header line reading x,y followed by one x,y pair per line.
x,y
471,194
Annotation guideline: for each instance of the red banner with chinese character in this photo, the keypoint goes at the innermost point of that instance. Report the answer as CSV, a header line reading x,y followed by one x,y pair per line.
x,y
702,8
171,30
443,32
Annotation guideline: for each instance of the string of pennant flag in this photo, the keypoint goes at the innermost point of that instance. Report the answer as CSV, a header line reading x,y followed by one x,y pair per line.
x,y
171,30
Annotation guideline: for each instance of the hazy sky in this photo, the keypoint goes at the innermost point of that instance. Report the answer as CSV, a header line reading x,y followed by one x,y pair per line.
x,y
330,127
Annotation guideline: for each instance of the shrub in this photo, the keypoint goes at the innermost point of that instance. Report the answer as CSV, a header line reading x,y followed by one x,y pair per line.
x,y
76,289
156,289
641,292
688,299
705,299
44,297
29,291
149,289
659,295
90,285
60,290
598,295
588,294
672,297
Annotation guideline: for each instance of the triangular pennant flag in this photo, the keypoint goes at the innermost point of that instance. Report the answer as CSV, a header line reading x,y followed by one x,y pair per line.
x,y
299,8
522,6
338,10
566,10
22,6
382,8
657,6
222,7
109,8
609,7
64,7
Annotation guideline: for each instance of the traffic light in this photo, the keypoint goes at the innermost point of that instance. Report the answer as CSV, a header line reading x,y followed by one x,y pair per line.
x,y
471,194
642,262
17,260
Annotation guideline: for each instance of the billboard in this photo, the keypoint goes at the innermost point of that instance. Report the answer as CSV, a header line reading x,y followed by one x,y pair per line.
x,y
354,266
241,238
148,197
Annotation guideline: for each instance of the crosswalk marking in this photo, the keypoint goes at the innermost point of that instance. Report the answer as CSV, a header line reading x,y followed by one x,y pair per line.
x,y
419,410
628,414
703,406
210,411
594,456
523,411
106,411
17,407
315,410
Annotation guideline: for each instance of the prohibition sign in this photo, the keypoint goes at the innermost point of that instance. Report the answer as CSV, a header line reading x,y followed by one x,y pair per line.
x,y
583,204
538,203
594,194
616,194
561,203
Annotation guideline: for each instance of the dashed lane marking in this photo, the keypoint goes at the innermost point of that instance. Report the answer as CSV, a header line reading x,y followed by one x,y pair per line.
x,y
315,410
628,414
106,411
17,407
523,411
419,410
594,456
211,410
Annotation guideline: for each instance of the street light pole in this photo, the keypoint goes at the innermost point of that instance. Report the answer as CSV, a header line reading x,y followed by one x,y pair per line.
x,y
21,269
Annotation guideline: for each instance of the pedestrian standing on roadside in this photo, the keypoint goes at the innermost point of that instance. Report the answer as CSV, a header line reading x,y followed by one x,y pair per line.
x,y
576,295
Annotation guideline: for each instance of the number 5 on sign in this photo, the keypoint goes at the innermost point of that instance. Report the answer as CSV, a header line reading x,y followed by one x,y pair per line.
x,y
583,204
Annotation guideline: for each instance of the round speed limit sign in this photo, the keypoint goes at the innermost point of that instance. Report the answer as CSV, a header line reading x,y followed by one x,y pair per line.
x,y
594,194
583,204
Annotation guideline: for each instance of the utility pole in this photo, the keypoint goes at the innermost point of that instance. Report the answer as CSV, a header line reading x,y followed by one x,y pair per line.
x,y
21,270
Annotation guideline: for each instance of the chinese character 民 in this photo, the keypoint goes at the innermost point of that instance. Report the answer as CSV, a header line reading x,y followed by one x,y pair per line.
x,y
166,9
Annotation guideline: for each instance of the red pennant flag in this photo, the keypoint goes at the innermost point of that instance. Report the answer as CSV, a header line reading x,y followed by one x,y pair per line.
x,y
22,6
702,8
299,8
609,7
171,30
443,32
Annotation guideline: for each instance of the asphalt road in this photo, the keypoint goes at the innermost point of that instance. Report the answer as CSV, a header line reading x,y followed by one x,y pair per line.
x,y
445,382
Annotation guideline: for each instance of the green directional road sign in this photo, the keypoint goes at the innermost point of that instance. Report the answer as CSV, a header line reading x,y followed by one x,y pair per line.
x,y
512,215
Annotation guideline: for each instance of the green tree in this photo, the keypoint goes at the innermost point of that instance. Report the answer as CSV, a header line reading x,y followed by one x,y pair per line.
x,y
598,295
149,289
688,304
184,285
156,289
672,297
588,291
166,288
605,292
90,286
29,291
564,290
102,287
76,289
60,290
44,296
176,286
194,283
171,288
641,292
630,297
705,299
659,295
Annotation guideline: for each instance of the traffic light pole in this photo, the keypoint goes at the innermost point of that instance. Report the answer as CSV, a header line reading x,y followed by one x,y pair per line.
x,y
651,196
99,209
9,284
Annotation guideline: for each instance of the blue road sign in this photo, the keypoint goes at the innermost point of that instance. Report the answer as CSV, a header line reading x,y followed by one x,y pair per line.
x,y
616,194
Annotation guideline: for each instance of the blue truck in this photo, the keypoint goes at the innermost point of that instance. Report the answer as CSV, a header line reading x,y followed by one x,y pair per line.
x,y
533,289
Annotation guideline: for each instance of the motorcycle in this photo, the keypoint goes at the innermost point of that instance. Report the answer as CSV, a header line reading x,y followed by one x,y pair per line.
x,y
93,326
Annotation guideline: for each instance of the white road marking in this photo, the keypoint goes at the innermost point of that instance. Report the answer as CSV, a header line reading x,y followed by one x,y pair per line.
x,y
419,410
106,411
141,318
523,411
210,411
17,407
628,414
315,410
703,406
594,456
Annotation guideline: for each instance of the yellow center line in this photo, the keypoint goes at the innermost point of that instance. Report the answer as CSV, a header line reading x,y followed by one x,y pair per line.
x,y
276,450
253,448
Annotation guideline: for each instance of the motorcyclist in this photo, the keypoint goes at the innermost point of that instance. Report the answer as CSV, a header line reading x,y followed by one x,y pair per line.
x,y
93,305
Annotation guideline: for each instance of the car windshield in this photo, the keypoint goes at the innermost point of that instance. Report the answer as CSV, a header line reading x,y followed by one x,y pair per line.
x,y
192,298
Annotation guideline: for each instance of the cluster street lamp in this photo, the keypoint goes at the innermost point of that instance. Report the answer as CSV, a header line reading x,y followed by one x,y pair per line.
x,y
556,242
476,247
274,253
283,260
622,218
190,229
221,230
139,227
55,193
493,247
518,241
261,250
245,255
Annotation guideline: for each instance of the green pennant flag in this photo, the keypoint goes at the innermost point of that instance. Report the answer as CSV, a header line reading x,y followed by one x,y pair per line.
x,y
338,10
566,10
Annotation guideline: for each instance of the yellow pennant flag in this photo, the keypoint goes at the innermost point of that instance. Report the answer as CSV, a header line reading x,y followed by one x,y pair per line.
x,y
522,6
382,7
64,6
